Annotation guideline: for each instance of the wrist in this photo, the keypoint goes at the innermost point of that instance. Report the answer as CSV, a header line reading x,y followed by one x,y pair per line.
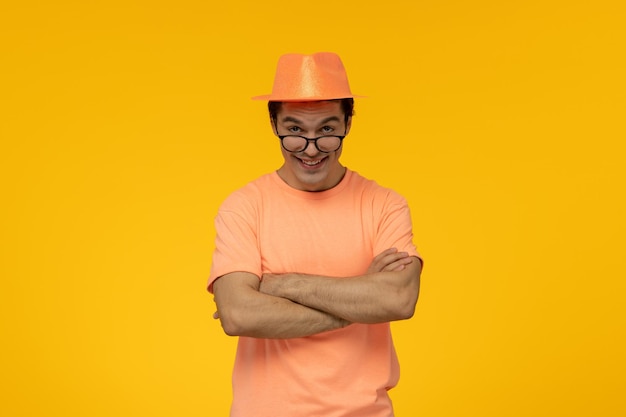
x,y
275,284
294,286
339,323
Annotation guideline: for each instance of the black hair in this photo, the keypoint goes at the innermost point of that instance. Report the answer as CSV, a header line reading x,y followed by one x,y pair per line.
x,y
347,105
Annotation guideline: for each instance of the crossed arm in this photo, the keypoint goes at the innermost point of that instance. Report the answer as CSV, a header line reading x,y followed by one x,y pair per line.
x,y
298,305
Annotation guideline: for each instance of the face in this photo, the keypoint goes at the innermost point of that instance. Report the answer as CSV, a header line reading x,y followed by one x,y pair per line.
x,y
310,169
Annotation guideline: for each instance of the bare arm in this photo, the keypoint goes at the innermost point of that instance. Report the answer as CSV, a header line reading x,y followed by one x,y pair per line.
x,y
244,311
387,295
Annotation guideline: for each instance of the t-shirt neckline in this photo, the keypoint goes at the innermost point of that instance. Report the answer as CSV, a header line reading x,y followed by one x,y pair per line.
x,y
313,195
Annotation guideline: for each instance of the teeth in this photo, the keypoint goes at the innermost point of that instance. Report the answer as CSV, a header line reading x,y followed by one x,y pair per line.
x,y
311,163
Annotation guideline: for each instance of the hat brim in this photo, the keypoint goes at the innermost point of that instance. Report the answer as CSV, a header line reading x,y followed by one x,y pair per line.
x,y
271,97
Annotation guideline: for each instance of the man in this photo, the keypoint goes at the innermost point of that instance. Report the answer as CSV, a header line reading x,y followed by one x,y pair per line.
x,y
312,262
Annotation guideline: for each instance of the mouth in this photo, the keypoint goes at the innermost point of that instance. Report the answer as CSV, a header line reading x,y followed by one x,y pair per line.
x,y
312,164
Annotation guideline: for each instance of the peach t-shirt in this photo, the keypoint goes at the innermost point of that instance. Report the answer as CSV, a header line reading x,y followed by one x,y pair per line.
x,y
267,226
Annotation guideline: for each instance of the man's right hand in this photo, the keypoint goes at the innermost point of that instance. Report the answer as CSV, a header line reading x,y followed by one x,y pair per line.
x,y
389,260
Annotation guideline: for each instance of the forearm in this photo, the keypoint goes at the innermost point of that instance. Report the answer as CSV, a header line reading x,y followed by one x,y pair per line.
x,y
253,314
371,298
278,318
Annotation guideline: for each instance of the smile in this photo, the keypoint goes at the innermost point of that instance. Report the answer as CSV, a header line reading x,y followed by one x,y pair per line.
x,y
311,163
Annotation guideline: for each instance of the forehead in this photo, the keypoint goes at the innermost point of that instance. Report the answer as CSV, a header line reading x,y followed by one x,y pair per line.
x,y
310,110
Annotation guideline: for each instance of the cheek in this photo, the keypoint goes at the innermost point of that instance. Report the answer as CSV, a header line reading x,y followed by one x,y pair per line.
x,y
283,152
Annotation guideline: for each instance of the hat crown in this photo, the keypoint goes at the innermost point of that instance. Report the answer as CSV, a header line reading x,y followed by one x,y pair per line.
x,y
319,76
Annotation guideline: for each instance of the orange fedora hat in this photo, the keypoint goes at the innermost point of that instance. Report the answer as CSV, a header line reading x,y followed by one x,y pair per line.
x,y
315,77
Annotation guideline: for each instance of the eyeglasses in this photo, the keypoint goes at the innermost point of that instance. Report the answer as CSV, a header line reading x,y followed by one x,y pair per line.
x,y
325,144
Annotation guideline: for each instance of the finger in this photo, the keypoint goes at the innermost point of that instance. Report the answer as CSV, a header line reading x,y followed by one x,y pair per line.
x,y
389,259
384,253
398,264
384,259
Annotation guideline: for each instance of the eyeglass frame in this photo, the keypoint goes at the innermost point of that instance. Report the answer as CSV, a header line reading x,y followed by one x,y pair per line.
x,y
309,140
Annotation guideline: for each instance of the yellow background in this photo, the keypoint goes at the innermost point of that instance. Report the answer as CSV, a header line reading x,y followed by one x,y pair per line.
x,y
124,124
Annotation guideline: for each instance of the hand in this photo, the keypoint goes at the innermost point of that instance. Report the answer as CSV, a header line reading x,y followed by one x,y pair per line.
x,y
389,260
216,315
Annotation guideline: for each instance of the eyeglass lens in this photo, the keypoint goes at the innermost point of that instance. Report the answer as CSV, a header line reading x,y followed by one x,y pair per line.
x,y
299,143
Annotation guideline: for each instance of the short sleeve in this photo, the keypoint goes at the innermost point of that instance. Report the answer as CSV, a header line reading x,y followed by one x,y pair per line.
x,y
236,242
395,228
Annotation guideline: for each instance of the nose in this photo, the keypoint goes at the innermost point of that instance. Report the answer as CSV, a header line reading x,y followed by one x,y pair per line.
x,y
311,149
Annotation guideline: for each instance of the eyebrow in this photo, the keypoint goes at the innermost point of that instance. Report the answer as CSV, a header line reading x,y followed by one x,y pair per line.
x,y
326,120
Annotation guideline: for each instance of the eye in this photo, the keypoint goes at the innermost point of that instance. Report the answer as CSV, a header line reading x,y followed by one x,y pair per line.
x,y
327,129
294,129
